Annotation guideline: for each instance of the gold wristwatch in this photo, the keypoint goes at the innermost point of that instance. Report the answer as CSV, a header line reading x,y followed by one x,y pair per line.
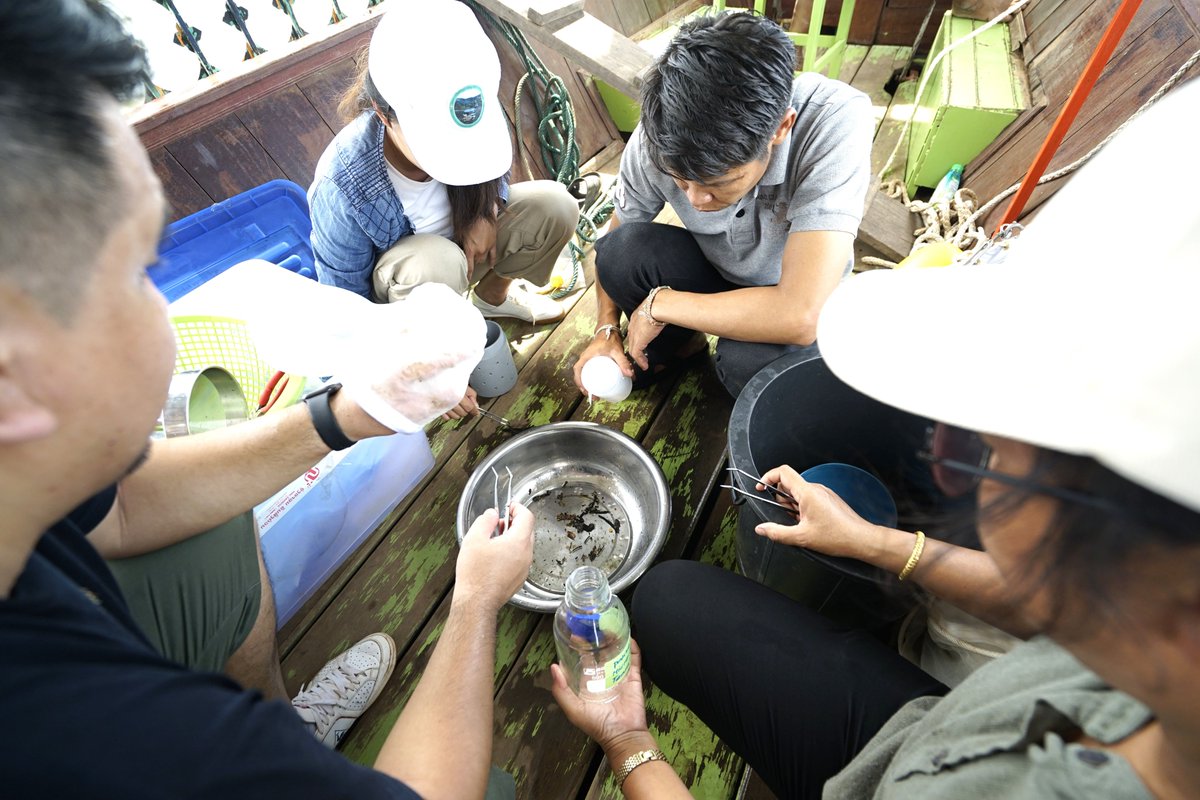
x,y
634,761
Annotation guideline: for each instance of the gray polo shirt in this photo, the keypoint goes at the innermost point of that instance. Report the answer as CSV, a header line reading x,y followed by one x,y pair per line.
x,y
1004,732
816,180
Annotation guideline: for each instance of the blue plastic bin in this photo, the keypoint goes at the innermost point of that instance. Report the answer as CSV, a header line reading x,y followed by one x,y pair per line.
x,y
269,222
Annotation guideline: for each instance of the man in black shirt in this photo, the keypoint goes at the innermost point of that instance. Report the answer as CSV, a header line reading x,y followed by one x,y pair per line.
x,y
93,707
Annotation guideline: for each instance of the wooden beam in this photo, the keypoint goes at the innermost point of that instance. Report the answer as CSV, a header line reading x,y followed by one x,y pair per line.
x,y
178,113
553,14
606,53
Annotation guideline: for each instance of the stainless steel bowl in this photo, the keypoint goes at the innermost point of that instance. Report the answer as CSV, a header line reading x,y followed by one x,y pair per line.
x,y
203,400
597,497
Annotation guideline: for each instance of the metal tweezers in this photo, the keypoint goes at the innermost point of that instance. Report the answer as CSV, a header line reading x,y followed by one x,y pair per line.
x,y
759,498
774,490
507,500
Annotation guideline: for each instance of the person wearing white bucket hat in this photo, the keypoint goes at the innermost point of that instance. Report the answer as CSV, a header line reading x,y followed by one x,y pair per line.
x,y
415,189
1075,365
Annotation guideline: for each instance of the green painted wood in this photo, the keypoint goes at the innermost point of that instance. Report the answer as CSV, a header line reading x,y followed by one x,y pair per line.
x,y
855,55
534,741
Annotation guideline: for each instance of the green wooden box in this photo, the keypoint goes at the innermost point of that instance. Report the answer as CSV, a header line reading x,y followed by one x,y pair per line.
x,y
973,93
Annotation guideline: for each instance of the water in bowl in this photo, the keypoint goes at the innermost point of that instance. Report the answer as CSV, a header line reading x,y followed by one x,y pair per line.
x,y
577,522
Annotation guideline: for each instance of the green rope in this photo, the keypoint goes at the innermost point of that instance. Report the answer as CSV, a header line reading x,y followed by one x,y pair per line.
x,y
556,138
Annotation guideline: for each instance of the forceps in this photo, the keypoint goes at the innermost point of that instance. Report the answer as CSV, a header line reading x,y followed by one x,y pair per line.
x,y
508,498
774,490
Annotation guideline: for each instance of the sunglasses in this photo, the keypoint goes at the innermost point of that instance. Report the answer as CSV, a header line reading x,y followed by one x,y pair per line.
x,y
958,460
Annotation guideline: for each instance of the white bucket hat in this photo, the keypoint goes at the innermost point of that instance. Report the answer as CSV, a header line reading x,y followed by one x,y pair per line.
x,y
437,69
1086,340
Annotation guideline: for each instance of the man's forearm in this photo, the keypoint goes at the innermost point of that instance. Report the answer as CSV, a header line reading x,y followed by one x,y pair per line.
x,y
753,314
813,264
193,483
441,745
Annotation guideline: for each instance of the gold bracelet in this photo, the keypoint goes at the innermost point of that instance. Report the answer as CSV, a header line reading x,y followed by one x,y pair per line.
x,y
918,548
634,761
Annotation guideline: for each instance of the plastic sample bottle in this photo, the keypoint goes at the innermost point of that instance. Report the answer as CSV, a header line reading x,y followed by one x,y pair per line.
x,y
591,631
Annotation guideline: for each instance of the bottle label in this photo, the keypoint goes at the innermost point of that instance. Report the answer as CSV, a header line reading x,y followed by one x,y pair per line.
x,y
602,678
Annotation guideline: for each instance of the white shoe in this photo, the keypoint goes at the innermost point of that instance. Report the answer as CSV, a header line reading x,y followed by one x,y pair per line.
x,y
522,304
345,688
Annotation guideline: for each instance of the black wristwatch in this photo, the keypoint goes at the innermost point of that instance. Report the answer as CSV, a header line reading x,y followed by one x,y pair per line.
x,y
322,417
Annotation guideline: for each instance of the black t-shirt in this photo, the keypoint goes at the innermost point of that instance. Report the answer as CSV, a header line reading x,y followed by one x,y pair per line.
x,y
92,710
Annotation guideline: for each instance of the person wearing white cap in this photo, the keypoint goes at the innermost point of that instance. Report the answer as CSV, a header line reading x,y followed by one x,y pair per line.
x,y
1074,371
415,189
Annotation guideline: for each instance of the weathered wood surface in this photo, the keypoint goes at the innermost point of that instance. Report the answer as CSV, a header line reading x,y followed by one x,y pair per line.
x,y
1059,38
274,115
597,47
546,754
874,71
709,768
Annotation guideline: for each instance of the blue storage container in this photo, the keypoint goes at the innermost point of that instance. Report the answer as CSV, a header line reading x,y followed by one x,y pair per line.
x,y
269,222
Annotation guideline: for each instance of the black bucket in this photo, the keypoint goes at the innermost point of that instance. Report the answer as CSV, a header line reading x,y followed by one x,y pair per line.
x,y
796,412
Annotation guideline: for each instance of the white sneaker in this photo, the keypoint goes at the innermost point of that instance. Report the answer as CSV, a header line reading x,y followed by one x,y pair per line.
x,y
345,688
522,304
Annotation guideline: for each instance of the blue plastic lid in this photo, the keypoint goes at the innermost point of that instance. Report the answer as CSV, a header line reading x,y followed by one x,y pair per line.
x,y
269,222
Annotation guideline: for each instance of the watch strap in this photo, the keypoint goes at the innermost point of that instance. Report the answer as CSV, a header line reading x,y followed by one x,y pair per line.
x,y
323,420
621,772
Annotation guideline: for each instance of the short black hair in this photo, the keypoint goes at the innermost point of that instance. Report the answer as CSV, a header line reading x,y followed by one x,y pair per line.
x,y
717,94
59,61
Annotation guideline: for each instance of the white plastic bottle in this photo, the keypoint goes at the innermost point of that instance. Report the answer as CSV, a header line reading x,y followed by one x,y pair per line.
x,y
603,379
591,632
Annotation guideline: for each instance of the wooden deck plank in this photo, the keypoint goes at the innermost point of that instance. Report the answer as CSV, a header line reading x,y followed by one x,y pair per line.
x,y
853,58
709,768
290,130
326,88
182,192
881,61
224,158
535,742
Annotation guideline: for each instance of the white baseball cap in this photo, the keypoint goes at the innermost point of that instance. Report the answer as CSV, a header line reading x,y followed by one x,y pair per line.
x,y
437,69
1086,340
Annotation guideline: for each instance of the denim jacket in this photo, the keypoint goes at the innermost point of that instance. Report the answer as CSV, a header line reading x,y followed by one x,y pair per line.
x,y
356,214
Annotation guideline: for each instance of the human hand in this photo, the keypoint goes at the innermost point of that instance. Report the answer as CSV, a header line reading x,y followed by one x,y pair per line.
x,y
602,346
641,333
491,569
465,408
434,340
480,243
823,520
607,723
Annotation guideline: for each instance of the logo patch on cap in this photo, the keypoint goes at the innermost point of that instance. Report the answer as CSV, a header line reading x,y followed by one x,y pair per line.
x,y
467,106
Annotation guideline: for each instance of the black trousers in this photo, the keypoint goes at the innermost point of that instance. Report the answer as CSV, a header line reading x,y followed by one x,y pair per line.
x,y
790,692
638,256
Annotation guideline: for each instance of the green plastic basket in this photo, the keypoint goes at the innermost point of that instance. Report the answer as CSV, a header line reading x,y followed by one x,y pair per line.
x,y
207,341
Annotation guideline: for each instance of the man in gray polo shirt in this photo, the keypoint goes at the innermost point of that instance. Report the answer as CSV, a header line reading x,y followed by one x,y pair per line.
x,y
767,171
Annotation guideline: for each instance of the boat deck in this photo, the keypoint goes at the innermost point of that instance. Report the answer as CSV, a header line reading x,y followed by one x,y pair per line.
x,y
400,580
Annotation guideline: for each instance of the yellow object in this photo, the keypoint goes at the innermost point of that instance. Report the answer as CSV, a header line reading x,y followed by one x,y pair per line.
x,y
917,550
556,283
934,254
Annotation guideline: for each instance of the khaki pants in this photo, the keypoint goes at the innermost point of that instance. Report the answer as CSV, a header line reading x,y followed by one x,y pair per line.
x,y
531,231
